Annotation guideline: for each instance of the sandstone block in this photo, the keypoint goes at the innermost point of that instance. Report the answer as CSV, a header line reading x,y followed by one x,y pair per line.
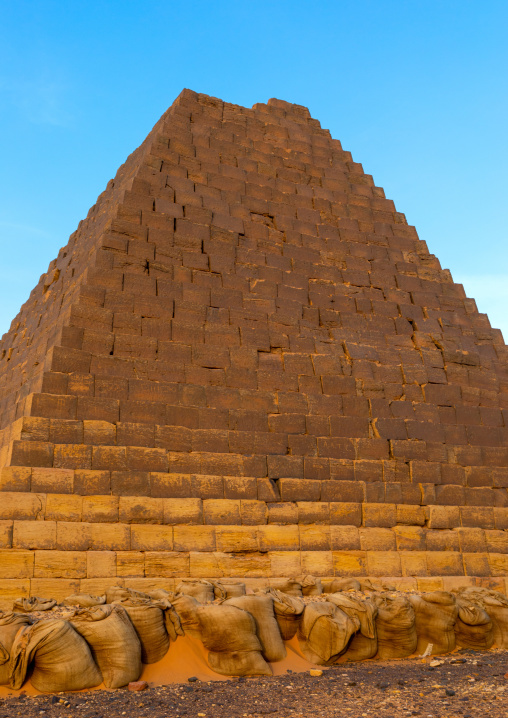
x,y
278,538
317,563
221,511
344,538
101,564
236,538
443,517
34,535
285,563
88,482
140,510
183,511
413,563
377,539
63,507
60,564
52,481
100,508
73,536
110,537
349,563
131,563
253,512
151,538
410,538
444,563
383,563
15,478
194,538
347,514
379,515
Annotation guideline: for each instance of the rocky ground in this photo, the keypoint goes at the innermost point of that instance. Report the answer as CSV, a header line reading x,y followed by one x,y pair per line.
x,y
465,685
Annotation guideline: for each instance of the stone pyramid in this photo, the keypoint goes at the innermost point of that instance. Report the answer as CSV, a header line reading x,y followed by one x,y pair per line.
x,y
246,364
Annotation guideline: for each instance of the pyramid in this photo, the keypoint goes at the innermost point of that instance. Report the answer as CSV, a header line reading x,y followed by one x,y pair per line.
x,y
246,364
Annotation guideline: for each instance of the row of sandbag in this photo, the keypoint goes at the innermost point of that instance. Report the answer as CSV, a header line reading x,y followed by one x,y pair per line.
x,y
110,640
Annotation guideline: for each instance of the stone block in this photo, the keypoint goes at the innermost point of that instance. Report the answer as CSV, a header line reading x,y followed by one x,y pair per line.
x,y
315,538
194,538
88,482
16,563
59,564
63,507
236,538
377,539
149,537
183,511
34,535
379,515
410,515
413,563
317,563
110,537
285,564
476,564
410,538
444,563
15,478
100,508
222,511
282,513
443,517
349,563
344,538
73,536
383,563
313,512
140,510
132,563
101,564
278,538
253,512
347,514
166,564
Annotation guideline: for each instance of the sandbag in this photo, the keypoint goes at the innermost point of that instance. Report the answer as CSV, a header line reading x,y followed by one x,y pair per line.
x,y
363,645
148,621
229,633
287,585
118,593
473,628
288,611
187,609
435,616
311,586
113,642
34,603
395,626
324,632
267,629
10,624
228,589
61,658
341,584
171,618
199,589
496,605
84,600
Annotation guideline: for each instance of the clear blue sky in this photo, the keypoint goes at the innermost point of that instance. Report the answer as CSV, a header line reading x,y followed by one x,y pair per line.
x,y
415,89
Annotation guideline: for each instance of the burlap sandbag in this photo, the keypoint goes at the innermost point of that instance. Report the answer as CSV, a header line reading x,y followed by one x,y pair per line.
x,y
34,603
84,600
287,585
496,605
199,589
311,586
267,629
435,616
395,626
113,642
288,611
341,584
363,645
119,593
228,589
229,633
171,618
473,628
187,610
10,624
149,624
61,658
324,632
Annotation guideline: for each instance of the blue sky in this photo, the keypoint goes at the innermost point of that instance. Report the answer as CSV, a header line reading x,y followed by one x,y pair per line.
x,y
415,89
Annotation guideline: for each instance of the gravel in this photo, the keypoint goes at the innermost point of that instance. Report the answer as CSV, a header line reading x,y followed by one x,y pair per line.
x,y
476,688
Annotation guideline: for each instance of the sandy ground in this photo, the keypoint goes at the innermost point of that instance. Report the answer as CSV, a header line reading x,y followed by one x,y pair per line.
x,y
474,688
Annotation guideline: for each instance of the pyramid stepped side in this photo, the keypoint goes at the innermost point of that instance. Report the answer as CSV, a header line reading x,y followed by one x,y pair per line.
x,y
257,369
25,350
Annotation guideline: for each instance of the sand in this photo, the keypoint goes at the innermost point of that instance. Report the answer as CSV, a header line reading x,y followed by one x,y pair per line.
x,y
186,658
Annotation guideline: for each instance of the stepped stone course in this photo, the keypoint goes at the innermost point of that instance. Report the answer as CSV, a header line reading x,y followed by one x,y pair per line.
x,y
246,363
